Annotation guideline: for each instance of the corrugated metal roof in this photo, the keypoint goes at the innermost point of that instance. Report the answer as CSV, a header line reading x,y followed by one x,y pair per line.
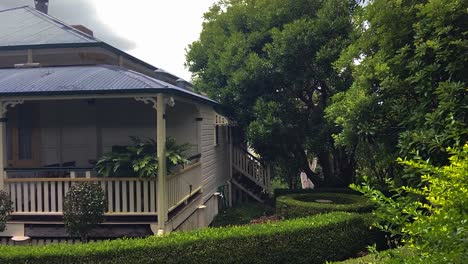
x,y
27,26
82,80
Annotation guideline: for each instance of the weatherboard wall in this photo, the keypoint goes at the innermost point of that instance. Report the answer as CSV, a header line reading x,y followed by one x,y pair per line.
x,y
215,157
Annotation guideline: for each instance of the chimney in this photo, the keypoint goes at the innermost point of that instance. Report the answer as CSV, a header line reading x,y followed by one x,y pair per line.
x,y
83,29
42,5
164,76
184,84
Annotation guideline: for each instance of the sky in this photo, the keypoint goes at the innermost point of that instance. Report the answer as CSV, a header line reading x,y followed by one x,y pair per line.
x,y
155,31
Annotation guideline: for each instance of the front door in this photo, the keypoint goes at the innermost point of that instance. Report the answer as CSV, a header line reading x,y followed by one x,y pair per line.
x,y
23,136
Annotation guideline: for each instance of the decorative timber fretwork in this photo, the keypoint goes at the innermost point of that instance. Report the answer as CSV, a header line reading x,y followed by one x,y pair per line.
x,y
9,104
221,120
151,100
169,101
148,100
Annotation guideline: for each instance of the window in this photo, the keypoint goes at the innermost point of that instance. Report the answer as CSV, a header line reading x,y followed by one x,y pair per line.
x,y
216,135
22,136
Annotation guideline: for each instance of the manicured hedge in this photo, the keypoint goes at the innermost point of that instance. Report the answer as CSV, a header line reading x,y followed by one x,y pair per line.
x,y
304,204
281,191
334,236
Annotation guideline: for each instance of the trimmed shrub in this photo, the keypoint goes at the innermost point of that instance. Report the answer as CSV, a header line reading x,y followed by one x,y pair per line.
x,y
6,207
305,204
83,208
316,239
281,192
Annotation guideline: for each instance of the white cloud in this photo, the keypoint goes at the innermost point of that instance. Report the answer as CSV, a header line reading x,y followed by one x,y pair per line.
x,y
161,29
155,31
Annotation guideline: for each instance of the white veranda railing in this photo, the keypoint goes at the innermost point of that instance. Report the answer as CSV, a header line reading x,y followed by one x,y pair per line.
x,y
125,196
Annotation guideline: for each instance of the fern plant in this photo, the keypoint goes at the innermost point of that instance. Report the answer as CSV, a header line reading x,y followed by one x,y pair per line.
x,y
140,159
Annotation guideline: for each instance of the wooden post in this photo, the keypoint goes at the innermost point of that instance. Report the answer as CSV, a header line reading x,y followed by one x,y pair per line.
x,y
161,152
3,146
230,166
268,179
201,216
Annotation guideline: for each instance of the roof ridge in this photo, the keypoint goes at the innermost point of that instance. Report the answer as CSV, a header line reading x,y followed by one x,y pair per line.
x,y
13,8
148,78
55,21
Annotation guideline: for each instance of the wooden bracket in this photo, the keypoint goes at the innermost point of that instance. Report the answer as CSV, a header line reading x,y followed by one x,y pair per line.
x,y
148,100
9,104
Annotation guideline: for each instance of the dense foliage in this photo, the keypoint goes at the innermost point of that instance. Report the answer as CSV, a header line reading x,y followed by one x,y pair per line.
x,y
433,219
409,93
83,208
6,207
271,63
392,256
305,204
334,236
140,159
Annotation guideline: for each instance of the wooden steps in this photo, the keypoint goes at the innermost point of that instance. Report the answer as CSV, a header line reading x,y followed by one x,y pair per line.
x,y
252,176
251,194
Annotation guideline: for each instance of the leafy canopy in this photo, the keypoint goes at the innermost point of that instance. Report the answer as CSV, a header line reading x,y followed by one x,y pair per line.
x,y
410,84
270,63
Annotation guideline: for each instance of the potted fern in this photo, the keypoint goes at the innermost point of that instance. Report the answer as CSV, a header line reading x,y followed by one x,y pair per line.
x,y
140,159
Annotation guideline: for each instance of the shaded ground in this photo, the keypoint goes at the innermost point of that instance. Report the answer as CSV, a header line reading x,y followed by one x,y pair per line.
x,y
243,214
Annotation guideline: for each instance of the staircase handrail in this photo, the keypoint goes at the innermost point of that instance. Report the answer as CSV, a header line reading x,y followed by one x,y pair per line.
x,y
250,155
264,182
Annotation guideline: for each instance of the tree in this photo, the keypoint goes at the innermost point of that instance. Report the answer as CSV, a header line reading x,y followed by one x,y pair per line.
x,y
6,207
83,208
409,93
271,63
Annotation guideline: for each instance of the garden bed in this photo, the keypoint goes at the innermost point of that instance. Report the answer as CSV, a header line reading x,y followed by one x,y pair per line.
x,y
242,214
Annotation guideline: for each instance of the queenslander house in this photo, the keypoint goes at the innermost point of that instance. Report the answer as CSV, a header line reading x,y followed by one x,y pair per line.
x,y
67,99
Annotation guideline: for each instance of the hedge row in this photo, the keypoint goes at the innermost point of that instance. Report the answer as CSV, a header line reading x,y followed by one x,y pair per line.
x,y
283,191
305,204
334,236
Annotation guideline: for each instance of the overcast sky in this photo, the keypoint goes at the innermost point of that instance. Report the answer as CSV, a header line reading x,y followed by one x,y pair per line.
x,y
155,31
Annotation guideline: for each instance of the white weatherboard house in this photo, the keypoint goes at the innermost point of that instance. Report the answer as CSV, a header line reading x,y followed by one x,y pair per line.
x,y
66,98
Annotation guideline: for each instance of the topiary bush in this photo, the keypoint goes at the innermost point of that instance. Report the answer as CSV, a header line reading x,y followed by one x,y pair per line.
x,y
6,207
83,208
305,204
315,239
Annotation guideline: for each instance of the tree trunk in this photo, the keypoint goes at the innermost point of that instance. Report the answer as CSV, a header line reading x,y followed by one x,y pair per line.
x,y
326,164
347,167
84,238
304,165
